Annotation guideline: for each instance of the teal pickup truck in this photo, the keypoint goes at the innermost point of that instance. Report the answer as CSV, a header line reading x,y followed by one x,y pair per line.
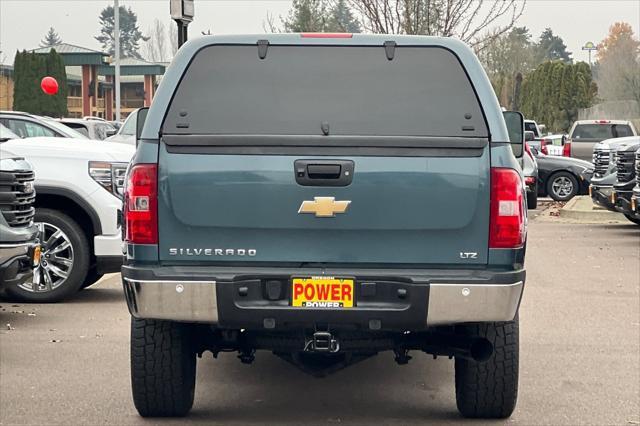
x,y
325,197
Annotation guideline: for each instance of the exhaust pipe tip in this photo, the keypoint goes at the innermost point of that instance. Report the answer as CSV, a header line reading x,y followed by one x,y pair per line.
x,y
481,350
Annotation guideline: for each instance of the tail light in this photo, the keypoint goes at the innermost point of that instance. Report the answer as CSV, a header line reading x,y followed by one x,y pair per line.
x,y
543,146
507,221
566,149
141,205
527,149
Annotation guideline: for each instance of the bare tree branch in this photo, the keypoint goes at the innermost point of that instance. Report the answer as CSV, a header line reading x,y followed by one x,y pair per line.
x,y
468,20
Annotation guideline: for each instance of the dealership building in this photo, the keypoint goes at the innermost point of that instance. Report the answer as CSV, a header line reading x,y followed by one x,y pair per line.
x,y
90,77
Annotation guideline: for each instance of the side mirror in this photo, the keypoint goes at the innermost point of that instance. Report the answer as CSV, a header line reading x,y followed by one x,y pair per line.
x,y
110,132
140,119
529,136
534,151
515,126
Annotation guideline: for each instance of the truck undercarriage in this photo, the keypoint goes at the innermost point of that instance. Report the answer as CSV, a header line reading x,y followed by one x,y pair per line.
x,y
324,350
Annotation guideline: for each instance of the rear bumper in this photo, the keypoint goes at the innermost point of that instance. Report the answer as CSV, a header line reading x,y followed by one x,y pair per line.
x,y
385,299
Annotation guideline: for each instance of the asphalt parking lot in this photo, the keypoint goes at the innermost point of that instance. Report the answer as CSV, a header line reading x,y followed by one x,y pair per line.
x,y
580,355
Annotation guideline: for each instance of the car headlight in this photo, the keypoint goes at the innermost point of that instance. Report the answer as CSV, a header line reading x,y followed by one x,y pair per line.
x,y
111,176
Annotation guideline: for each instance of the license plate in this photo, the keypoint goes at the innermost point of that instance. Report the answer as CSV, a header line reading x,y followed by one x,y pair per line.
x,y
633,204
590,191
613,198
322,292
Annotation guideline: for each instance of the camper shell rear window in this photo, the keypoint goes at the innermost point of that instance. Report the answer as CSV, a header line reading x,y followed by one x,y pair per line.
x,y
325,90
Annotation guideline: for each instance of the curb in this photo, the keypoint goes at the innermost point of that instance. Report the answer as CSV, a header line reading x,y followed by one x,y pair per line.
x,y
582,209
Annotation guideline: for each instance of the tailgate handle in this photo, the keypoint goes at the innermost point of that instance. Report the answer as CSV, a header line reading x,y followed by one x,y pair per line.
x,y
324,172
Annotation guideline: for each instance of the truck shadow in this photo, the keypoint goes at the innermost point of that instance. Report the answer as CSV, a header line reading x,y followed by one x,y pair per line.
x,y
90,295
373,391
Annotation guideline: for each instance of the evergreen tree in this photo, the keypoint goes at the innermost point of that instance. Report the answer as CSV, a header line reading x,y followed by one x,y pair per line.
x,y
306,16
341,19
319,16
29,69
52,38
57,105
555,91
551,47
18,78
130,34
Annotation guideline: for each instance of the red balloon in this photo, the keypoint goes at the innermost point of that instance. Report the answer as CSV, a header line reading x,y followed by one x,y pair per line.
x,y
49,85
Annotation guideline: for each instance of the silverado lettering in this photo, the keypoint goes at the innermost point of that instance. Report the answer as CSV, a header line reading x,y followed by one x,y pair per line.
x,y
211,252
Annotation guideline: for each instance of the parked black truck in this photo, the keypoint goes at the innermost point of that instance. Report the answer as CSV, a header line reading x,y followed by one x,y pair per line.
x,y
635,196
626,178
605,172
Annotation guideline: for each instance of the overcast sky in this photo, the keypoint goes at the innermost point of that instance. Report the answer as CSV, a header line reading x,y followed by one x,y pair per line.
x,y
23,23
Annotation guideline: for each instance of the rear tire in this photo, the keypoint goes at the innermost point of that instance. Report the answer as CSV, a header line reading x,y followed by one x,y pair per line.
x,y
92,278
163,368
632,219
489,389
532,199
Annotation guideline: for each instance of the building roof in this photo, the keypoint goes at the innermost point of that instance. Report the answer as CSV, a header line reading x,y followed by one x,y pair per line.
x,y
75,55
6,70
68,48
133,66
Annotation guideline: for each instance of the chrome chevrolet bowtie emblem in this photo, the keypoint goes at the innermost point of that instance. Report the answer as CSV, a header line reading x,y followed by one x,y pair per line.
x,y
324,206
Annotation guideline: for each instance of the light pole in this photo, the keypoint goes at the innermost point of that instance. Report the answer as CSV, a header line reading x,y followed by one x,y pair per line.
x,y
182,12
590,47
116,37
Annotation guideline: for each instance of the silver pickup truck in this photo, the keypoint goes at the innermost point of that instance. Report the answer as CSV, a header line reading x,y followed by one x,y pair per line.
x,y
585,134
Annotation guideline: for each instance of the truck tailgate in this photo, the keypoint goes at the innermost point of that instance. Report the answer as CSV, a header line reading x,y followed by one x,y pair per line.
x,y
402,210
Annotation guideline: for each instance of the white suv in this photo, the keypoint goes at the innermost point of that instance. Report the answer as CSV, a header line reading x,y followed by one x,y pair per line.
x,y
79,186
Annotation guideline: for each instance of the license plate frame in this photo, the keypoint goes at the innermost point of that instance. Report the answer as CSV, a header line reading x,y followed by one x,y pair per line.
x,y
327,286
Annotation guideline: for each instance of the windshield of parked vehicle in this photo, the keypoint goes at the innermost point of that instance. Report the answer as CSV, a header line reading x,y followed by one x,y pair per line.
x,y
79,127
601,131
6,134
67,131
315,90
129,126
531,127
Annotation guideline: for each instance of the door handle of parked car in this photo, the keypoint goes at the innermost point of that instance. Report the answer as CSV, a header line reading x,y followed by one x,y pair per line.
x,y
324,172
